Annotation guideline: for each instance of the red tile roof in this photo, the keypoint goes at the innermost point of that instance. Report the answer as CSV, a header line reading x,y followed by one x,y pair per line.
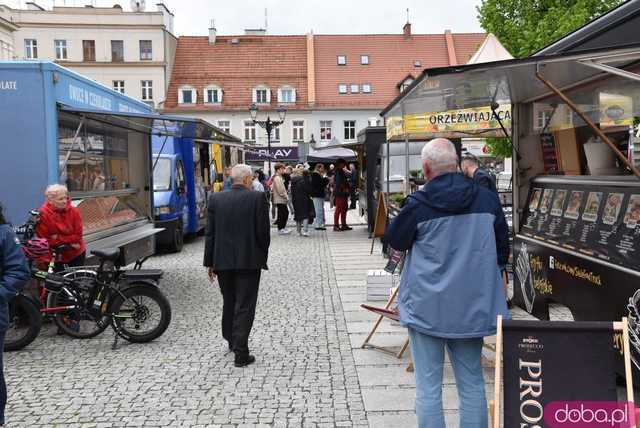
x,y
237,68
282,60
391,59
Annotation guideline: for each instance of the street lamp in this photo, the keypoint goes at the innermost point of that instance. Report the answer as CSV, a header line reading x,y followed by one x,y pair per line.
x,y
268,125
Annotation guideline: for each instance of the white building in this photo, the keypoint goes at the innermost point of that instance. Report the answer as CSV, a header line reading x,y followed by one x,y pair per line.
x,y
131,52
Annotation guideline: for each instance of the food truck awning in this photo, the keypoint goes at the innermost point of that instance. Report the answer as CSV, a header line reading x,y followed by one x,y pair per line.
x,y
507,82
159,124
332,155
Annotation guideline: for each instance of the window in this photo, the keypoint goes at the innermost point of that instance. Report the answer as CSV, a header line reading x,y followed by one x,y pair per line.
x,y
146,50
187,95
6,50
261,95
355,88
117,51
225,125
249,130
325,130
60,47
88,50
286,94
118,86
342,60
342,88
31,48
405,85
366,88
364,59
213,94
147,90
275,134
349,130
298,130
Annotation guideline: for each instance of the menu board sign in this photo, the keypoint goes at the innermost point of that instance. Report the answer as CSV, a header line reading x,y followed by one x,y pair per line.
x,y
549,155
603,222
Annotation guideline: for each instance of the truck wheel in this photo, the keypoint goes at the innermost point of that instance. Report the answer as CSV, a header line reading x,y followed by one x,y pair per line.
x,y
178,239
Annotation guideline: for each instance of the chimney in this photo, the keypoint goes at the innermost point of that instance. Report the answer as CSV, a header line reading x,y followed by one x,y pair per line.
x,y
407,30
451,47
311,69
212,33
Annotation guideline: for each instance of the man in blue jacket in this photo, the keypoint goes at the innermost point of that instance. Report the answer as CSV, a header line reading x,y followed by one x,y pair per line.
x,y
451,289
14,272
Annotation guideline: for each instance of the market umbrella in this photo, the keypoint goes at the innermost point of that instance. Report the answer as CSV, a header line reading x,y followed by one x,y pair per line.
x,y
332,155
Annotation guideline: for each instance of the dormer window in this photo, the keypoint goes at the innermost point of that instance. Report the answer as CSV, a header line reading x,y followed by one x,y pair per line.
x,y
364,59
404,85
355,88
342,60
366,88
342,88
261,95
213,94
286,95
187,95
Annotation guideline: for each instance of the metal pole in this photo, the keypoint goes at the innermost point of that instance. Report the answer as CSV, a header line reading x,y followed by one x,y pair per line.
x,y
268,129
591,125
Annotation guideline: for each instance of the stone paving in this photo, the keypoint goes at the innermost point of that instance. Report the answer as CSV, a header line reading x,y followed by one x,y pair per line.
x,y
304,375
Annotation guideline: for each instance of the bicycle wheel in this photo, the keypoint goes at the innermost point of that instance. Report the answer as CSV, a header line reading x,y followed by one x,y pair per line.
x,y
25,322
142,315
78,319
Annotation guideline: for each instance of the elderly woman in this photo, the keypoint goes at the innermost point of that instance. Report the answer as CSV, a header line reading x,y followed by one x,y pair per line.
x,y
14,272
61,224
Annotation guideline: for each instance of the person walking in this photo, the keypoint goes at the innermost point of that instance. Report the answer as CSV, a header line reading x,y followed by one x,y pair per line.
x,y
318,188
280,199
14,273
353,182
451,290
302,204
286,178
236,250
256,184
61,224
342,190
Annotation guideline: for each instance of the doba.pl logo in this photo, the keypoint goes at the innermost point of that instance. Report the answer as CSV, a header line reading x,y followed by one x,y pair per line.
x,y
590,414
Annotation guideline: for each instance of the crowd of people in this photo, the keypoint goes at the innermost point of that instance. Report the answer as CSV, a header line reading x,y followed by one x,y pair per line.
x,y
301,191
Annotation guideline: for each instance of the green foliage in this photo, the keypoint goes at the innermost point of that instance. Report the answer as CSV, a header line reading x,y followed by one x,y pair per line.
x,y
396,198
525,26
499,147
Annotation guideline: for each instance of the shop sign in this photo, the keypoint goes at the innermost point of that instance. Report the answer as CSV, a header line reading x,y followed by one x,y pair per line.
x,y
8,85
277,153
480,121
615,110
552,371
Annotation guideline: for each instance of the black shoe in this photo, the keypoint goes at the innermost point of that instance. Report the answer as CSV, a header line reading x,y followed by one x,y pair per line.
x,y
509,304
244,361
321,228
336,229
346,228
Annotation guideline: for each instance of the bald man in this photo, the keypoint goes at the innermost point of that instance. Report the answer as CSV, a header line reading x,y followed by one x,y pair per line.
x,y
451,288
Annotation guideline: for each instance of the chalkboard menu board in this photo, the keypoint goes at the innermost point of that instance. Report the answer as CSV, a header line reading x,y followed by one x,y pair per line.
x,y
600,221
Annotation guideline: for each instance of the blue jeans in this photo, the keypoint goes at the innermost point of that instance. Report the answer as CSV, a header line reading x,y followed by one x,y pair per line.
x,y
428,359
318,205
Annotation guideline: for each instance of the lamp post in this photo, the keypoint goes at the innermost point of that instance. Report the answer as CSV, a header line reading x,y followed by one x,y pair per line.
x,y
268,125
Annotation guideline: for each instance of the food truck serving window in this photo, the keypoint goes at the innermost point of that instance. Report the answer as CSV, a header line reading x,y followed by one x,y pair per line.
x,y
567,146
103,166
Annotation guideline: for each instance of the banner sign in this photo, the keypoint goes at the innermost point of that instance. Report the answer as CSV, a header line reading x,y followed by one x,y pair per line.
x,y
481,121
552,369
615,110
259,154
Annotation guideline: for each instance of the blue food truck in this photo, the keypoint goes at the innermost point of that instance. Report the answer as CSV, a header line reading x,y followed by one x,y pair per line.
x,y
185,170
60,127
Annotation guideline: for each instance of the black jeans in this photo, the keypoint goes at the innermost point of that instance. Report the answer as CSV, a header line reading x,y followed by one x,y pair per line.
x,y
283,215
239,295
76,262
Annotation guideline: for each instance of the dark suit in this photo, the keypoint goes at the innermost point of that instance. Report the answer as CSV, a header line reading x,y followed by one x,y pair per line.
x,y
237,247
484,179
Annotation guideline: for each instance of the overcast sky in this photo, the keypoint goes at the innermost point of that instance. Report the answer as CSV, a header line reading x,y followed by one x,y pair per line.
x,y
301,16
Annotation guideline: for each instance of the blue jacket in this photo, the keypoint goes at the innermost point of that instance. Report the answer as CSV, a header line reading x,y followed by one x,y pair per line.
x,y
14,271
457,237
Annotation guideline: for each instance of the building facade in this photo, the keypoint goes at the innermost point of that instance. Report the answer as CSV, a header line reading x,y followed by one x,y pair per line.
x,y
130,52
332,86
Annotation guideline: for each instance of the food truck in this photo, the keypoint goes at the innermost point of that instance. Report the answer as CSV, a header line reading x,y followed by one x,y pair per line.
x,y
60,127
573,119
185,170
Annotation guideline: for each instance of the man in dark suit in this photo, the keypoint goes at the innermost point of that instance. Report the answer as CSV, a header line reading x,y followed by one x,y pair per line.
x,y
236,251
471,168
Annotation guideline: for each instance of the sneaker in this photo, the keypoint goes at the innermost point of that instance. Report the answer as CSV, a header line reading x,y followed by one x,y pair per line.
x,y
284,232
304,234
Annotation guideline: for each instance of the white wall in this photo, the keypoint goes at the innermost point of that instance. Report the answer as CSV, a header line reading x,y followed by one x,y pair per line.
x,y
337,117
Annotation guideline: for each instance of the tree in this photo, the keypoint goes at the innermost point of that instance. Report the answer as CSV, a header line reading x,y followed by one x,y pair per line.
x,y
525,26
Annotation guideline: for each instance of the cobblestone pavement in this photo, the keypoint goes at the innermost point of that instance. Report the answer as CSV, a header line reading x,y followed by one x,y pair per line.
x,y
304,374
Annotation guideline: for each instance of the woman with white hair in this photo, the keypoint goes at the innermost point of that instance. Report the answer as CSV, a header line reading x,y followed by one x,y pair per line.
x,y
61,224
